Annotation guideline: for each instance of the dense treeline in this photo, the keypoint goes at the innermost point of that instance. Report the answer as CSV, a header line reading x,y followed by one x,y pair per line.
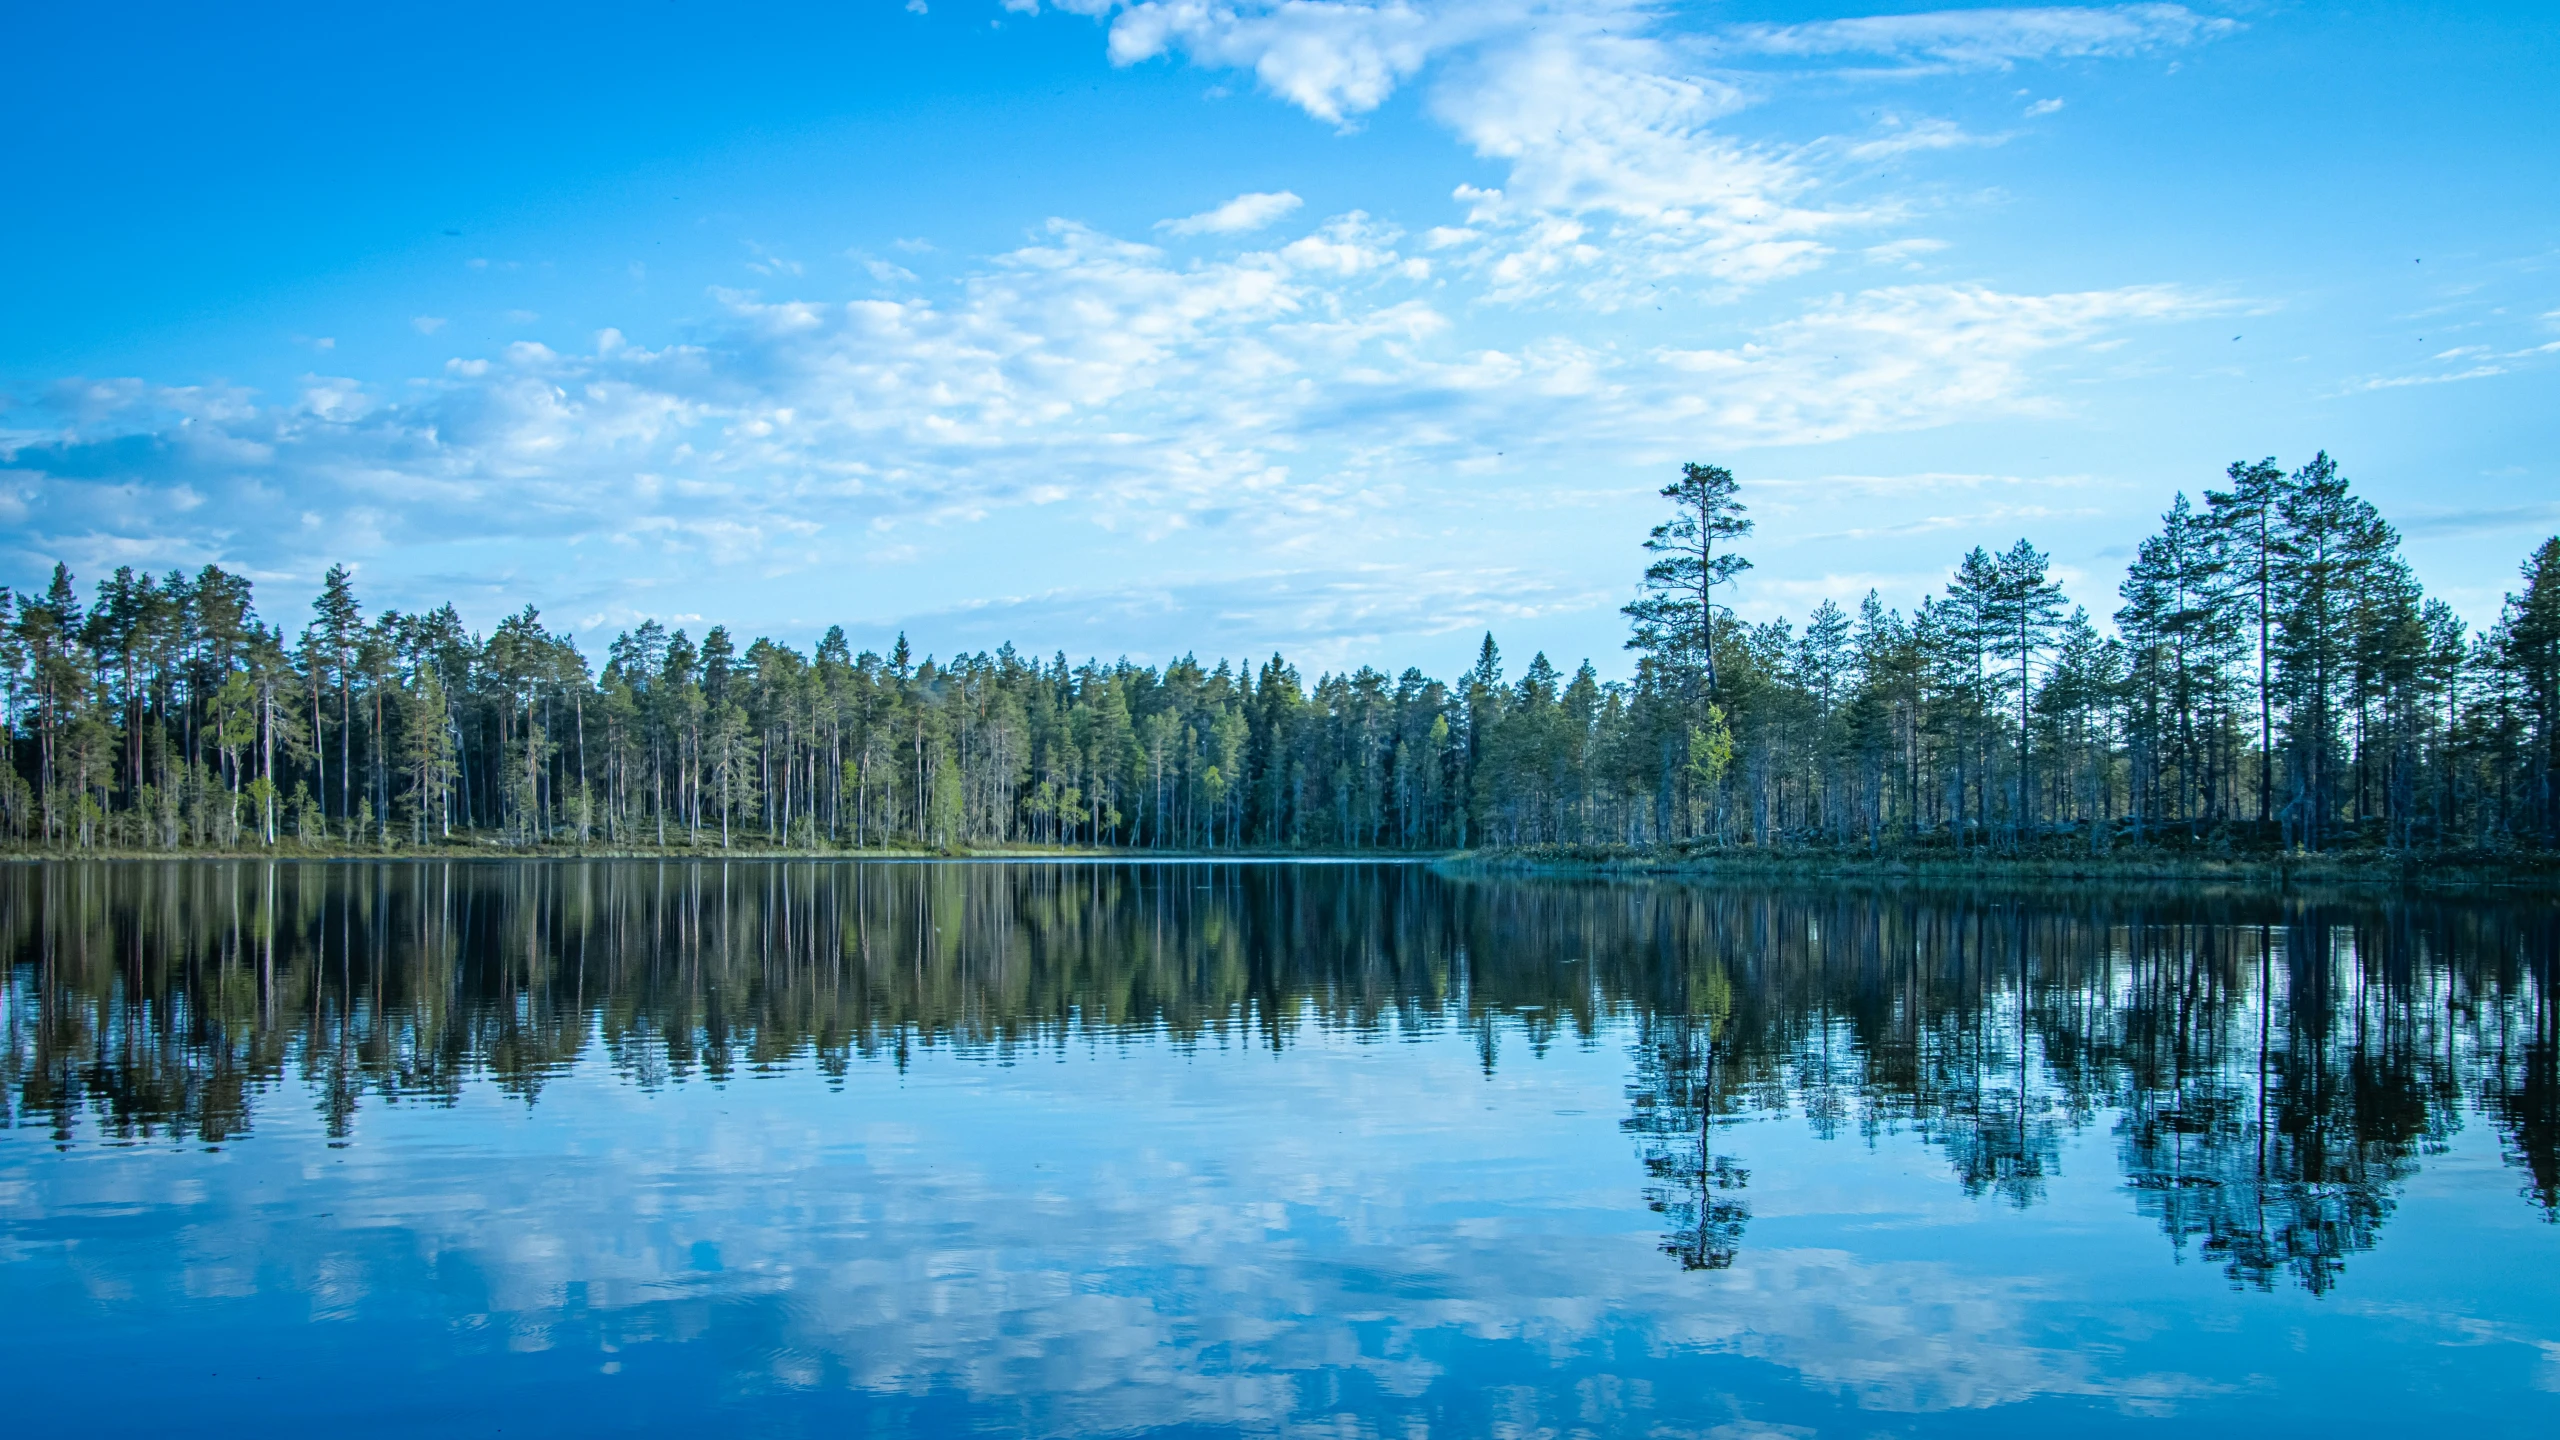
x,y
2275,676
2272,1070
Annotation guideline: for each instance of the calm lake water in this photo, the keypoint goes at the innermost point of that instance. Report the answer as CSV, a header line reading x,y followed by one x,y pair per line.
x,y
1058,1149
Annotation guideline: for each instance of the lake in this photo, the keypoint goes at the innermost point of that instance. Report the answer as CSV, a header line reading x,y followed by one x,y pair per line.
x,y
785,1148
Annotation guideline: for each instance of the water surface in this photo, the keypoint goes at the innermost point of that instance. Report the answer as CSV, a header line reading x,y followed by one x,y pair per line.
x,y
921,1149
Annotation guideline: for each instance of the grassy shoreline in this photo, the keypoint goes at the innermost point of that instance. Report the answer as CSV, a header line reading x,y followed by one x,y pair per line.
x,y
2375,869
2476,870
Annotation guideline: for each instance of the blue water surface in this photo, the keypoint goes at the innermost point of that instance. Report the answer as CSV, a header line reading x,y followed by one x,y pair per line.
x,y
1044,1149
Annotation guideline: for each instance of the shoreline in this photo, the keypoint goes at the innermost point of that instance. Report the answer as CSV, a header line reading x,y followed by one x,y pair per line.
x,y
2362,869
2473,871
300,854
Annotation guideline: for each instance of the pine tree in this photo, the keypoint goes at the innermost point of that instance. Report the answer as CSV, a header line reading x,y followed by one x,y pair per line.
x,y
2330,545
2529,650
2249,520
337,623
1675,619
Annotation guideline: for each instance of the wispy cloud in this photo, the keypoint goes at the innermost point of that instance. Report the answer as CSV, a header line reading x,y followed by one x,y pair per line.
x,y
1251,211
1907,137
1904,252
2499,363
1988,38
1881,360
2396,382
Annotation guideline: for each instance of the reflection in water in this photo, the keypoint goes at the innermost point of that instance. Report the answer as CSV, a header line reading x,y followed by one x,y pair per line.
x,y
2274,1070
1674,1099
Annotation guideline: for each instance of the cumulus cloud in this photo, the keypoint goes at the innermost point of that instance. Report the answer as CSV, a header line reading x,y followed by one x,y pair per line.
x,y
1334,59
1250,211
1615,176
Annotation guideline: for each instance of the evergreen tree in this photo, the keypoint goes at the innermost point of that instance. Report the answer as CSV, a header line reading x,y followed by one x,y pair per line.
x,y
2249,520
336,624
2529,651
1675,619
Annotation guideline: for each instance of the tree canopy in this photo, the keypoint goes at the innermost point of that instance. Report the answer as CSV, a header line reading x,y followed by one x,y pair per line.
x,y
2271,675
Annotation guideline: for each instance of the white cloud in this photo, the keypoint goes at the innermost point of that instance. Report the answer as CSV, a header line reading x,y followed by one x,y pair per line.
x,y
1330,58
2395,382
1290,386
765,262
1990,38
1616,179
1904,252
1900,358
1250,211
427,324
2498,363
1908,137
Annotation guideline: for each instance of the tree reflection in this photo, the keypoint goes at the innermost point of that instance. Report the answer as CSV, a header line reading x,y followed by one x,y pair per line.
x,y
1674,1098
2272,1070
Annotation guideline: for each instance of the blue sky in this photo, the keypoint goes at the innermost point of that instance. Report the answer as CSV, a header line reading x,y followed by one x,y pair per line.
x,y
1350,329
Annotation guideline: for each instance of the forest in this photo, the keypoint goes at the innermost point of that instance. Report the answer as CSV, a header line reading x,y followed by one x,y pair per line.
x,y
2271,678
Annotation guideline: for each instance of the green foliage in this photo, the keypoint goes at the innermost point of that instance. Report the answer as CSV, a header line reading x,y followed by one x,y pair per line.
x,y
2275,677
1675,616
1710,751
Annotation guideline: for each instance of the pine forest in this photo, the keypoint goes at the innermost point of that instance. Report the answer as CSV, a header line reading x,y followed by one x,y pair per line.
x,y
2268,677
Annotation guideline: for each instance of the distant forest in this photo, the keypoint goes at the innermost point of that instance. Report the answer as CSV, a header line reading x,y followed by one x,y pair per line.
x,y
2276,679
